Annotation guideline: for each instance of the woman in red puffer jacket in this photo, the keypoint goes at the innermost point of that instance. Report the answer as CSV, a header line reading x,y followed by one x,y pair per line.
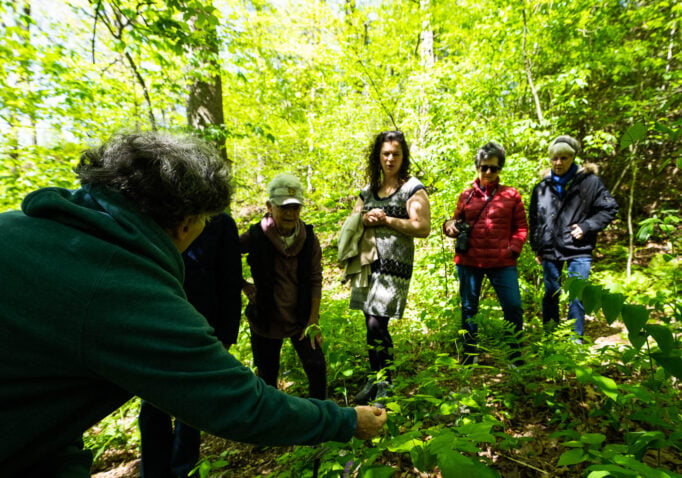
x,y
490,227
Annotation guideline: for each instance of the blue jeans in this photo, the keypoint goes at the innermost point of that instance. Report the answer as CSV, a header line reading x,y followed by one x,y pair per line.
x,y
505,281
166,453
551,270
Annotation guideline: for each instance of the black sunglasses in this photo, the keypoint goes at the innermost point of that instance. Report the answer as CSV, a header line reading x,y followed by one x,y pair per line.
x,y
493,169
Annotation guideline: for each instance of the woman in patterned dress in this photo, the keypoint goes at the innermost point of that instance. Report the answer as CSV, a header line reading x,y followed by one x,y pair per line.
x,y
396,206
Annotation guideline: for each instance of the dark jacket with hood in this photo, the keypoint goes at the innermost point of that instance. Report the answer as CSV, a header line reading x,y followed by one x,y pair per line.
x,y
586,203
92,312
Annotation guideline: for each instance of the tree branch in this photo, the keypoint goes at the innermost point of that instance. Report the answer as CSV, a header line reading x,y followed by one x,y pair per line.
x,y
94,30
142,83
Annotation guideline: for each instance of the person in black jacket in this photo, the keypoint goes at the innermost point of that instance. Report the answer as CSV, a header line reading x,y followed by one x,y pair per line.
x,y
285,258
568,207
213,281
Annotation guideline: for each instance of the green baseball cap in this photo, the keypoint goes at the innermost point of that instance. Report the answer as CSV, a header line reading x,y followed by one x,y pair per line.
x,y
285,189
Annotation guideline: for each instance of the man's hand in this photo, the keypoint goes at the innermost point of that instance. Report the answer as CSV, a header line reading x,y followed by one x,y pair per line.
x,y
313,331
371,421
450,228
576,232
538,259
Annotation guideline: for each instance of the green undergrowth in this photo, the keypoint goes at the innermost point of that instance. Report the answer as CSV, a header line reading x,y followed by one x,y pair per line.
x,y
598,409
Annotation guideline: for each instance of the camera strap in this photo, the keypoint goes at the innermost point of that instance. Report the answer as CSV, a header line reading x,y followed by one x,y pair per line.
x,y
490,198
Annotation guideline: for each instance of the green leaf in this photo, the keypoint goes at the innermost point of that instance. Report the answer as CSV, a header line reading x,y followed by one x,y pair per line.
x,y
634,316
456,465
611,305
663,128
446,361
422,459
593,439
663,336
634,134
640,442
591,298
219,464
597,471
672,365
404,443
574,286
478,432
572,457
607,386
642,469
637,339
379,471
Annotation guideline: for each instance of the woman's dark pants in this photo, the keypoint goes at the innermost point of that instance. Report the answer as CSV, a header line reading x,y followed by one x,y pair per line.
x,y
266,355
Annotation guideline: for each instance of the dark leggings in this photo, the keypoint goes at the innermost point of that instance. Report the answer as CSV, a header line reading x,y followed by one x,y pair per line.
x,y
266,354
166,452
379,343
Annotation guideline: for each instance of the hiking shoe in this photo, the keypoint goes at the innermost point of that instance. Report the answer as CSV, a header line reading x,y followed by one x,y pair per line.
x,y
367,393
383,394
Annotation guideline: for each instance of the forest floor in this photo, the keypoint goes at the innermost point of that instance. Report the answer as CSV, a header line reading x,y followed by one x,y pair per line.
x,y
536,457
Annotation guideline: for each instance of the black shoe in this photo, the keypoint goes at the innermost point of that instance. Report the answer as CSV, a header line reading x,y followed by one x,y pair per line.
x,y
367,393
383,394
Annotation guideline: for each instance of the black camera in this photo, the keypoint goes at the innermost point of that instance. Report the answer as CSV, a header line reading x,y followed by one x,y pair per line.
x,y
462,242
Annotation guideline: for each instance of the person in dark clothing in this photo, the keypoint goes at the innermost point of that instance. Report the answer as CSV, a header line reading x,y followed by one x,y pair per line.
x,y
213,280
568,207
93,312
284,302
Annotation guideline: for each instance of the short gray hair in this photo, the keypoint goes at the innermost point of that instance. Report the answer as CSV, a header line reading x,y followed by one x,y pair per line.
x,y
168,176
489,150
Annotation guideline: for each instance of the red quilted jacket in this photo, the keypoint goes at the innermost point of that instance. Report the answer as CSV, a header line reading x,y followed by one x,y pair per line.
x,y
501,230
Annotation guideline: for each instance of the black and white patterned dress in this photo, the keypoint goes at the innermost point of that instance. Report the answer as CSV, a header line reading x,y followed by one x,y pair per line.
x,y
389,282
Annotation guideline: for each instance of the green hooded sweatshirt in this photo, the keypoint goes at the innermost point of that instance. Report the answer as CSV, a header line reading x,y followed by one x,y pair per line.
x,y
92,312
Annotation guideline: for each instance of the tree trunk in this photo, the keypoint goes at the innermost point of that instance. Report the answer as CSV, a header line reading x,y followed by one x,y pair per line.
x,y
205,101
526,62
27,78
631,232
427,61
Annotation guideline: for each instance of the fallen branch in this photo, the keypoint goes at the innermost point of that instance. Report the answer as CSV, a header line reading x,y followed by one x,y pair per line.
x,y
524,464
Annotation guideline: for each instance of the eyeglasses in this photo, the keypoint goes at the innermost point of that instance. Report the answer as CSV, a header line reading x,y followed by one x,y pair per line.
x,y
485,168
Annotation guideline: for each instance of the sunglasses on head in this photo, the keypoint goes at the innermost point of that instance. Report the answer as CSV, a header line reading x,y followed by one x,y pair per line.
x,y
485,168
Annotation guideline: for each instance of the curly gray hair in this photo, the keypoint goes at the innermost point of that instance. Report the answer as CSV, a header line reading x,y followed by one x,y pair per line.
x,y
168,176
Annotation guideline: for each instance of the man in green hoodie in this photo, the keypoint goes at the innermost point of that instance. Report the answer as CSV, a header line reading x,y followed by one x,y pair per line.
x,y
93,312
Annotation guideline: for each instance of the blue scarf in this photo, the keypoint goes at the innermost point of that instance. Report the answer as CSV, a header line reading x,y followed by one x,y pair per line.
x,y
561,181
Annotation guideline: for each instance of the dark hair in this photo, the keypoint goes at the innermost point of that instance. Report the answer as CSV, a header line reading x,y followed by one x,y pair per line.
x,y
169,177
374,171
489,150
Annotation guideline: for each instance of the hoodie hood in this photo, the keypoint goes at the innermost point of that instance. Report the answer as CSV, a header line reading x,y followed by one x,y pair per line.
x,y
109,216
